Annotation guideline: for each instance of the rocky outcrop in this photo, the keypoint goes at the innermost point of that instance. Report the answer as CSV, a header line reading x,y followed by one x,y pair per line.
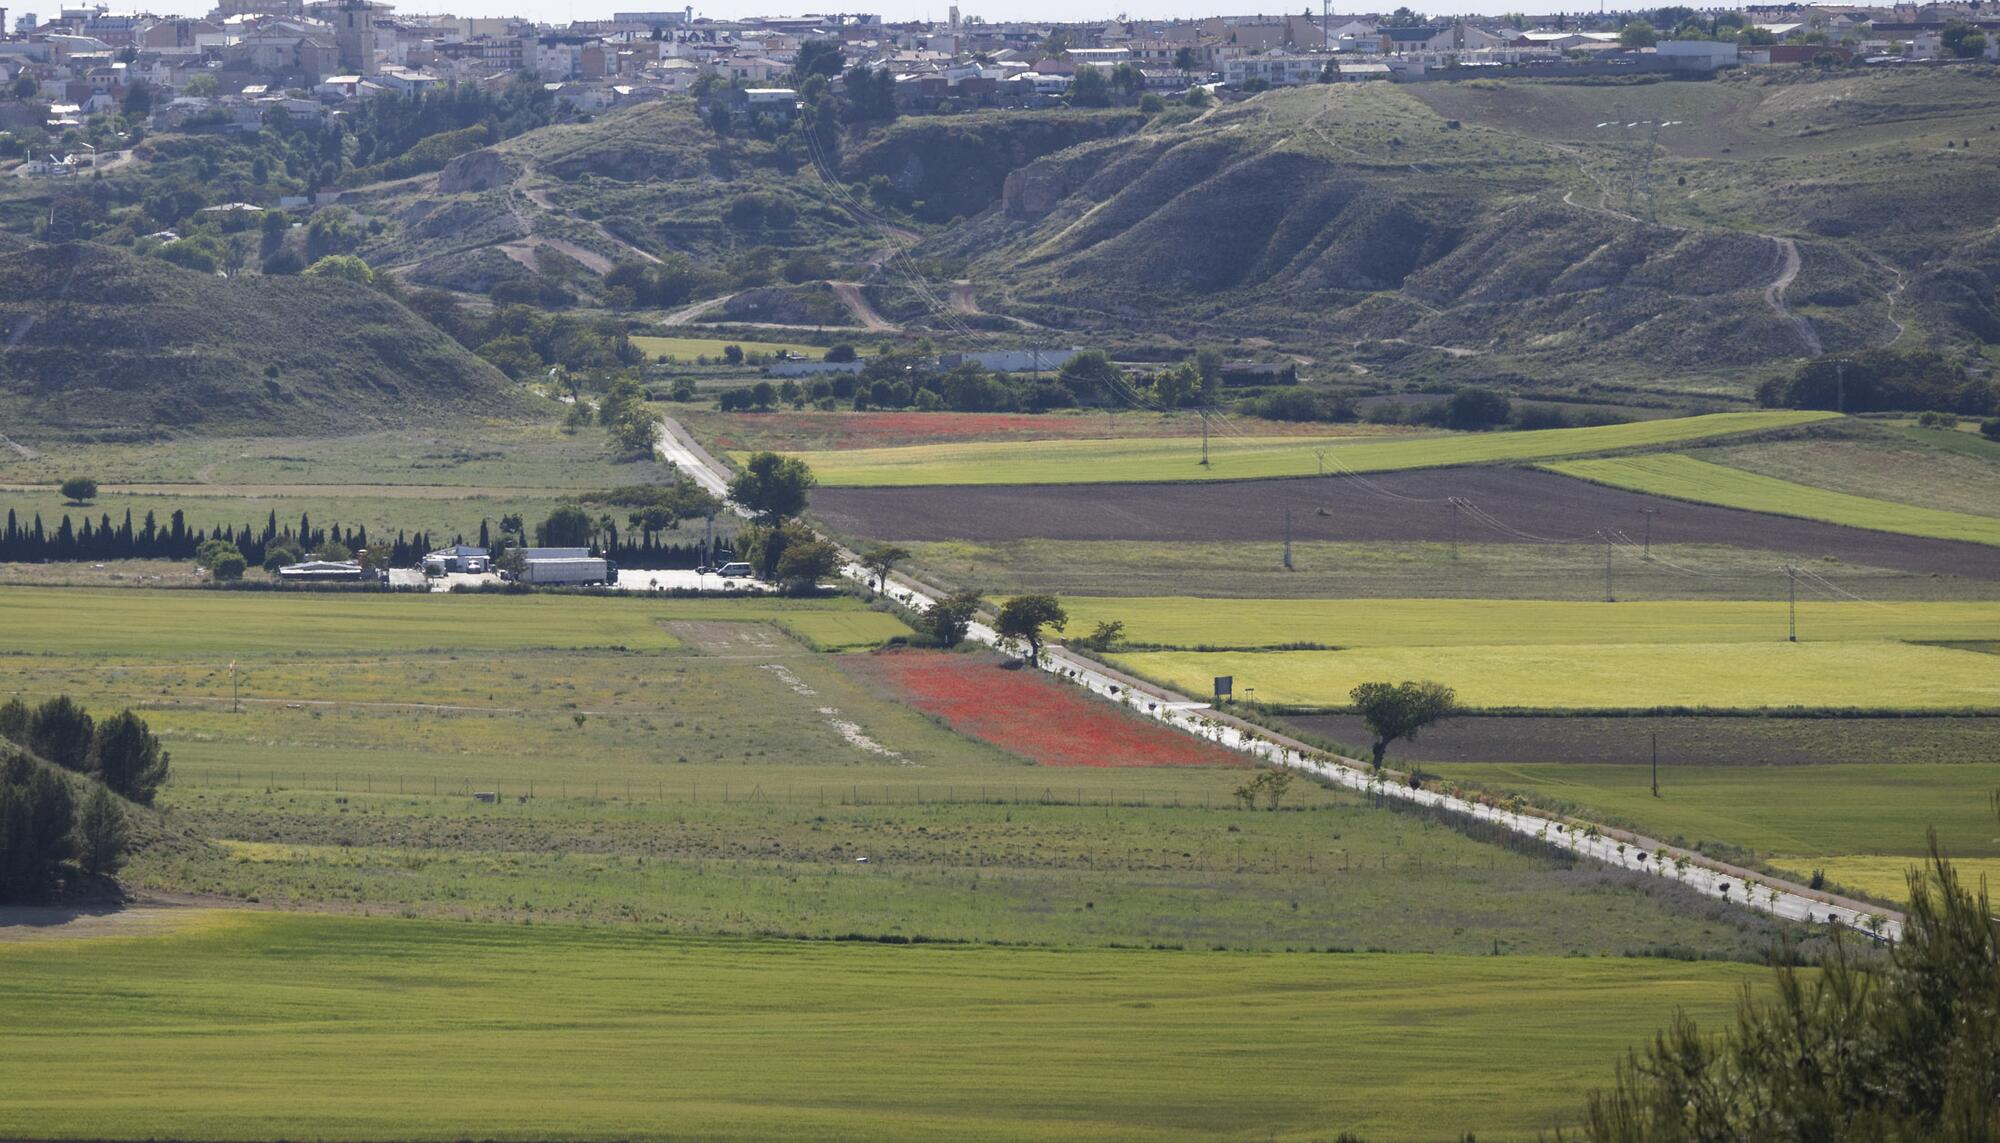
x,y
475,171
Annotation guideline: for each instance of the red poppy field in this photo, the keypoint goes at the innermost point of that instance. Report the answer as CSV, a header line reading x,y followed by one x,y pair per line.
x,y
1025,713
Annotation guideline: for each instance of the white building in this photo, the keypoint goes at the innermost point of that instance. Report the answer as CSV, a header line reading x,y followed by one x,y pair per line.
x,y
1279,69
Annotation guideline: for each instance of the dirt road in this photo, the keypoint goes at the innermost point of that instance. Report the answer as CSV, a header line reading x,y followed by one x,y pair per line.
x,y
1774,294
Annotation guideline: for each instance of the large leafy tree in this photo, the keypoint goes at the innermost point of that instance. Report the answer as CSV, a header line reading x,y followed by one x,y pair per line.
x,y
1399,710
1023,617
772,486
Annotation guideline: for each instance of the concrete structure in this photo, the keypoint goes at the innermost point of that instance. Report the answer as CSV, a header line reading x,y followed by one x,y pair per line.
x,y
326,571
458,559
1697,55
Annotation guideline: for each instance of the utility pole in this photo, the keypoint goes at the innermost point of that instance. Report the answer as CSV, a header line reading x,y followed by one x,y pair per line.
x,y
1456,506
1649,513
1840,381
1608,597
1791,604
1320,454
1288,539
235,706
1204,438
1656,764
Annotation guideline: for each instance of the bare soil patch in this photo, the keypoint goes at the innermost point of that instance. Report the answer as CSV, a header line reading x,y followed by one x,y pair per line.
x,y
728,637
1531,506
151,915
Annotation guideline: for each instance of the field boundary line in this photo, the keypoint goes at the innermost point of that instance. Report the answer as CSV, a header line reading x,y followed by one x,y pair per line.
x,y
1619,848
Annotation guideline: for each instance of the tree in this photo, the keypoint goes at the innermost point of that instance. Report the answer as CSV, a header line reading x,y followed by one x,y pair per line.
x,y
772,486
1399,710
1271,784
1857,1050
1963,40
1106,635
951,617
37,820
103,832
126,756
1023,617
1093,374
1638,34
138,101
882,559
345,267
732,354
840,353
1185,59
79,490
1476,408
1208,366
1176,385
567,527
1128,79
14,719
223,559
1089,88
1990,429
806,561
817,57
60,731
200,85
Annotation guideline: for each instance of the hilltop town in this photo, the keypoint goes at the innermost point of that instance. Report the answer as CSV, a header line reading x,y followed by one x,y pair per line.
x,y
248,59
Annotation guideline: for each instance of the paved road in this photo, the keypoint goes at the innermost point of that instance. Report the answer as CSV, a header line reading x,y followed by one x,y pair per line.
x,y
1616,847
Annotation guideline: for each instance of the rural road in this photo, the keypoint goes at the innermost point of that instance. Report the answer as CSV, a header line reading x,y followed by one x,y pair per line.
x,y
1614,847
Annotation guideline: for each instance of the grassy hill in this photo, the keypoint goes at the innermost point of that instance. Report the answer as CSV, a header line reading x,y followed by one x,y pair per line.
x,y
105,344
1506,231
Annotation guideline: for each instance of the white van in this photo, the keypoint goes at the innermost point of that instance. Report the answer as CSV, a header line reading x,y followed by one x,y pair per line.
x,y
738,570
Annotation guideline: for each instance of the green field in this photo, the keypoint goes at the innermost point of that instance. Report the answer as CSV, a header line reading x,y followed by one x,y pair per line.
x,y
717,776
1190,623
1354,570
1623,676
1799,817
1887,876
1685,478
1177,459
212,623
242,1025
688,348
408,480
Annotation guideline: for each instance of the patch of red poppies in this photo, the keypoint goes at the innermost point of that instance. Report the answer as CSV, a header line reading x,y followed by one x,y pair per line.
x,y
1027,713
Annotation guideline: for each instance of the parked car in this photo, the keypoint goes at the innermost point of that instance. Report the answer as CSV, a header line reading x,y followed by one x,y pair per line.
x,y
737,570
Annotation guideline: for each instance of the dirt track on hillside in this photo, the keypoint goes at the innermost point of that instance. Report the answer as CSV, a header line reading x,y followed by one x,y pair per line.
x,y
1408,506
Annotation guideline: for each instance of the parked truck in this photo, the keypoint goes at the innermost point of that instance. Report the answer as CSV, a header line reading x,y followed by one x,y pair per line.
x,y
569,570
